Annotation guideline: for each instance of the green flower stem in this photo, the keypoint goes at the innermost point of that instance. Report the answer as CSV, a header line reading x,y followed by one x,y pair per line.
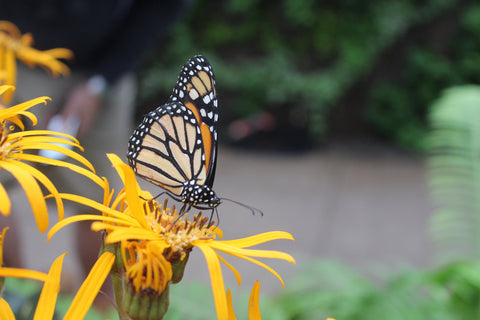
x,y
118,290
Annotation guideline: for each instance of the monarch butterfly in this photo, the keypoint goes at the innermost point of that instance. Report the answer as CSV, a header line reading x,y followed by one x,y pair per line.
x,y
175,146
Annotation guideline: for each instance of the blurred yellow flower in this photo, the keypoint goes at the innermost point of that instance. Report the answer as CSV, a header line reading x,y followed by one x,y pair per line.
x,y
13,145
131,220
14,45
51,287
48,297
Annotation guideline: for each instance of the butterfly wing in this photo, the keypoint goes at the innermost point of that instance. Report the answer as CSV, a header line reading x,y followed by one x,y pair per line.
x,y
196,90
167,150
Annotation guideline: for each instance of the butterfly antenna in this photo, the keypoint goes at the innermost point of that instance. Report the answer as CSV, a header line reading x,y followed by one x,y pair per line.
x,y
252,209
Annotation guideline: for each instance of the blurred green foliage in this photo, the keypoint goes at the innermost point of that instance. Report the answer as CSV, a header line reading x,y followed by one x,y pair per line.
x,y
330,289
398,108
454,173
303,56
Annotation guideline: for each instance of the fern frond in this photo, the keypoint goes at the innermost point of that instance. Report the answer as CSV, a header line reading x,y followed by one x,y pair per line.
x,y
454,172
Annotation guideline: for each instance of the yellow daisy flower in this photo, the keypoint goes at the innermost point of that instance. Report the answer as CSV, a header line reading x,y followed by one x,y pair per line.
x,y
137,222
14,45
13,147
48,297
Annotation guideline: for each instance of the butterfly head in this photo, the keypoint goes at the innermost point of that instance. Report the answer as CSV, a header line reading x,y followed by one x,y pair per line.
x,y
200,196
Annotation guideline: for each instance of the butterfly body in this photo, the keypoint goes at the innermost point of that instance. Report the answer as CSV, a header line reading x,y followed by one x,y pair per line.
x,y
175,146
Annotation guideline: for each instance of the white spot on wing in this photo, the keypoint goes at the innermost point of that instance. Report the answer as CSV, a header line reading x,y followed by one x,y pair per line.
x,y
193,94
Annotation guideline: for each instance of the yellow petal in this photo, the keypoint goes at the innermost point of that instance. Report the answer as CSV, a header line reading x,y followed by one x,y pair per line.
x,y
2,240
60,149
130,233
85,217
26,105
39,159
45,133
60,53
133,198
23,273
216,279
259,238
4,88
5,204
261,264
11,70
3,73
231,314
117,164
220,245
33,192
90,287
235,272
6,312
245,253
31,57
254,303
32,140
37,174
16,120
100,207
43,137
48,296
10,67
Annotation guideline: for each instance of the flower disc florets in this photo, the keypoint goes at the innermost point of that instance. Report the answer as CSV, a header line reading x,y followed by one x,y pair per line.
x,y
177,229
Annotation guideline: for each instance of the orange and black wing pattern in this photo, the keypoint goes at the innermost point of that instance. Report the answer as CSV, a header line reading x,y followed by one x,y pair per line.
x,y
175,146
195,89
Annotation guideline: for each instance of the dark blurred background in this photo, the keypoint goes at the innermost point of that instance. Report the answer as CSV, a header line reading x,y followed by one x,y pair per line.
x,y
325,70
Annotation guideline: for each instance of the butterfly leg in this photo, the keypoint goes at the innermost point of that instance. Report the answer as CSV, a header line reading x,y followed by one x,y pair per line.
x,y
211,216
182,211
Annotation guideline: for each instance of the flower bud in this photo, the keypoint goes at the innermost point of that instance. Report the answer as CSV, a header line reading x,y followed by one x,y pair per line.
x,y
146,304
